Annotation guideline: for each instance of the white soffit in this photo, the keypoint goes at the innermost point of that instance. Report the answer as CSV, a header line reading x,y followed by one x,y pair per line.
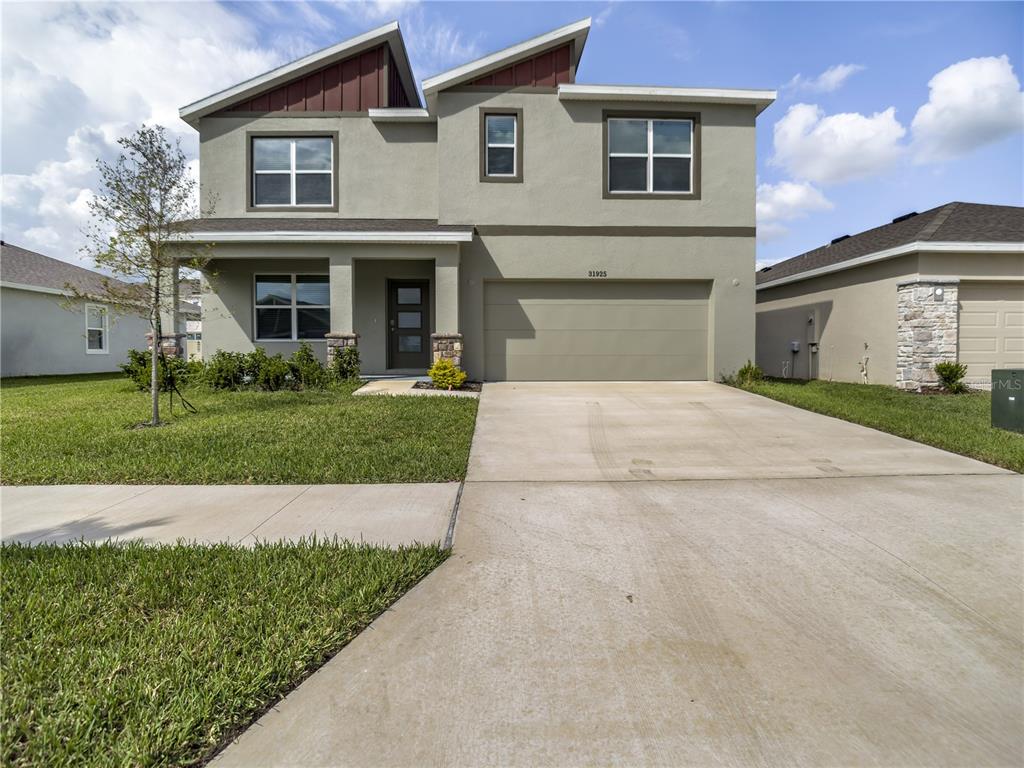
x,y
576,31
402,115
759,99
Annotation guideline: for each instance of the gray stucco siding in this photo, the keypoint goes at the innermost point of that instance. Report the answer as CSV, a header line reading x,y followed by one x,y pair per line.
x,y
563,165
385,170
42,337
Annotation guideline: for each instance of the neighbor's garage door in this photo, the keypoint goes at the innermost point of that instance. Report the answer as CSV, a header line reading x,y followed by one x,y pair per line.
x,y
991,327
595,330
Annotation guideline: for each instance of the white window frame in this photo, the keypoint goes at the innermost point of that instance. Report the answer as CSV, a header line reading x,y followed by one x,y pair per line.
x,y
104,330
293,276
513,145
650,155
292,172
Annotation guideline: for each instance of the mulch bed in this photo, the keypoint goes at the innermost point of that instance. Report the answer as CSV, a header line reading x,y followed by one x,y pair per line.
x,y
469,386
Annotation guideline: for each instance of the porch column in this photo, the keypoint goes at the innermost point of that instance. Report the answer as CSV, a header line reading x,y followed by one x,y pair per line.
x,y
342,333
446,341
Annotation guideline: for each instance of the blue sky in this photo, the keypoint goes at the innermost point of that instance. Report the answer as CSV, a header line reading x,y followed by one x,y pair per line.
x,y
857,135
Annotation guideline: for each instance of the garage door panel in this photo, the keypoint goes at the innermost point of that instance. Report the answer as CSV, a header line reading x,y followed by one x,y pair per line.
x,y
596,317
991,327
597,330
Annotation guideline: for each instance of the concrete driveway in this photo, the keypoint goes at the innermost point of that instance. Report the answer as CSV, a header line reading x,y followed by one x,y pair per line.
x,y
685,574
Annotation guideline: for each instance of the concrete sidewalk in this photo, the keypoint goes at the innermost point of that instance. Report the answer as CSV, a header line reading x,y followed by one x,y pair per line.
x,y
825,595
388,514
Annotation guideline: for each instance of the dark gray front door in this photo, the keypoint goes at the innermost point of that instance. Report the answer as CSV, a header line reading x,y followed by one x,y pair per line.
x,y
408,324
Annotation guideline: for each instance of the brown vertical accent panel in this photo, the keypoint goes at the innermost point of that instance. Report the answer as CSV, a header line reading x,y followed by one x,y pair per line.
x,y
544,70
368,81
260,103
296,96
504,77
279,99
562,72
315,92
332,88
485,80
350,85
524,72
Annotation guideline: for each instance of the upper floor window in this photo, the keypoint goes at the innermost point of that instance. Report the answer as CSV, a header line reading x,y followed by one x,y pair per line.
x,y
501,151
293,171
96,328
292,307
650,156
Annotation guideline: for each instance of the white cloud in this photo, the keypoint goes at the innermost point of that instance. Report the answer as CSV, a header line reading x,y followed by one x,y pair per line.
x,y
83,75
831,79
830,149
970,104
786,201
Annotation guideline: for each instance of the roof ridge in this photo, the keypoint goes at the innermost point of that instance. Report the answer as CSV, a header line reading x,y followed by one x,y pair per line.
x,y
937,221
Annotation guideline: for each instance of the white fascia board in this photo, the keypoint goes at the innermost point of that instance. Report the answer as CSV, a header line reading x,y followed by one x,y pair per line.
x,y
389,33
33,288
327,237
759,99
896,251
402,115
576,30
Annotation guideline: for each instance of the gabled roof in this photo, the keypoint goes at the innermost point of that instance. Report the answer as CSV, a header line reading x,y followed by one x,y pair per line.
x,y
389,33
22,268
576,32
950,227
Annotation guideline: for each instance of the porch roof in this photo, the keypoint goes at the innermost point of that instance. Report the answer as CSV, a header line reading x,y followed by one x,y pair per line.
x,y
324,230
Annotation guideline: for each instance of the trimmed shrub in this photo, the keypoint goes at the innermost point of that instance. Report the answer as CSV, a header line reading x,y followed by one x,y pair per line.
x,y
750,373
225,370
951,377
446,375
170,370
307,370
345,365
272,373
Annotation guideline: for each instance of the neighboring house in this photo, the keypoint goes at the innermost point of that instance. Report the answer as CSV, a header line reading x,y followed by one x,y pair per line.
x,y
44,331
190,292
522,224
945,284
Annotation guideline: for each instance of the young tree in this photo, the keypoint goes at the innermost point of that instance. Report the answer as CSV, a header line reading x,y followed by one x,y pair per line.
x,y
146,202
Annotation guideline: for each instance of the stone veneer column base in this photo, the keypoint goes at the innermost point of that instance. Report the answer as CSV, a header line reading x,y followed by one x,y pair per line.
x,y
171,344
336,342
447,346
927,331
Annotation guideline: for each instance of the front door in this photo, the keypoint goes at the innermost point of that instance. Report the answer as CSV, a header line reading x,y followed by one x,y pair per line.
x,y
408,324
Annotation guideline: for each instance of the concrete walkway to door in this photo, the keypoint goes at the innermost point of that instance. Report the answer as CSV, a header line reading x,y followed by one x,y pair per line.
x,y
686,574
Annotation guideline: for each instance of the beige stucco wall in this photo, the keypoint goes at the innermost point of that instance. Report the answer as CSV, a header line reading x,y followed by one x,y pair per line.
x,y
385,170
722,260
563,163
40,336
850,309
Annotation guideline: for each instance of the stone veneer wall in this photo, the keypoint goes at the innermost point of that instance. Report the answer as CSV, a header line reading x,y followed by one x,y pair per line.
x,y
447,346
337,342
927,331
171,344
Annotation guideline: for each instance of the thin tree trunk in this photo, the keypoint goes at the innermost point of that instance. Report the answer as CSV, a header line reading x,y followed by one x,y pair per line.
x,y
154,379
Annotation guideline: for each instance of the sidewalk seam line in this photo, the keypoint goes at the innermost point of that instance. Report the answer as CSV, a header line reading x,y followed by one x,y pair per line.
x,y
79,520
275,513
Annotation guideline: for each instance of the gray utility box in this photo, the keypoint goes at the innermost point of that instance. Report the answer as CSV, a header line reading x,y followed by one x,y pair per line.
x,y
1008,399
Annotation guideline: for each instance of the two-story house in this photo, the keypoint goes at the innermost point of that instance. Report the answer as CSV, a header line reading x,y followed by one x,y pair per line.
x,y
526,225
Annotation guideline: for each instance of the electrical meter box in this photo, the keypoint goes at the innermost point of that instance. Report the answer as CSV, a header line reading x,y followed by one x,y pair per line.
x,y
1008,399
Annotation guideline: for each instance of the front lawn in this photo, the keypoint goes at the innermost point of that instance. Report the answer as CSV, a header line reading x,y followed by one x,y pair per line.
x,y
957,423
123,654
78,429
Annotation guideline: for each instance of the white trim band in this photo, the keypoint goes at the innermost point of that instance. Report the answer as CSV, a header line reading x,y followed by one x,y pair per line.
x,y
759,99
894,252
401,115
327,237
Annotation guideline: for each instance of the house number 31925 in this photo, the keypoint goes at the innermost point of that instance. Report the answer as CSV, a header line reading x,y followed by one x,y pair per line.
x,y
597,273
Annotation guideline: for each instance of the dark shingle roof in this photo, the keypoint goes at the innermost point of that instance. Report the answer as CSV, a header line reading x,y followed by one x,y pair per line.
x,y
25,267
952,222
262,224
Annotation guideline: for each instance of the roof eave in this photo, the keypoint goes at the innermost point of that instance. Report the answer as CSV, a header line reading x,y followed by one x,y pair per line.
x,y
389,33
284,236
576,31
759,99
891,253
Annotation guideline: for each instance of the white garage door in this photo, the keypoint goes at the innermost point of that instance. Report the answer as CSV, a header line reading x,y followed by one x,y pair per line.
x,y
595,330
991,328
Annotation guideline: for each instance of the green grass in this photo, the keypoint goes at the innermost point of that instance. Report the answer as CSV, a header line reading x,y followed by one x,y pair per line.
x,y
78,429
122,654
957,423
